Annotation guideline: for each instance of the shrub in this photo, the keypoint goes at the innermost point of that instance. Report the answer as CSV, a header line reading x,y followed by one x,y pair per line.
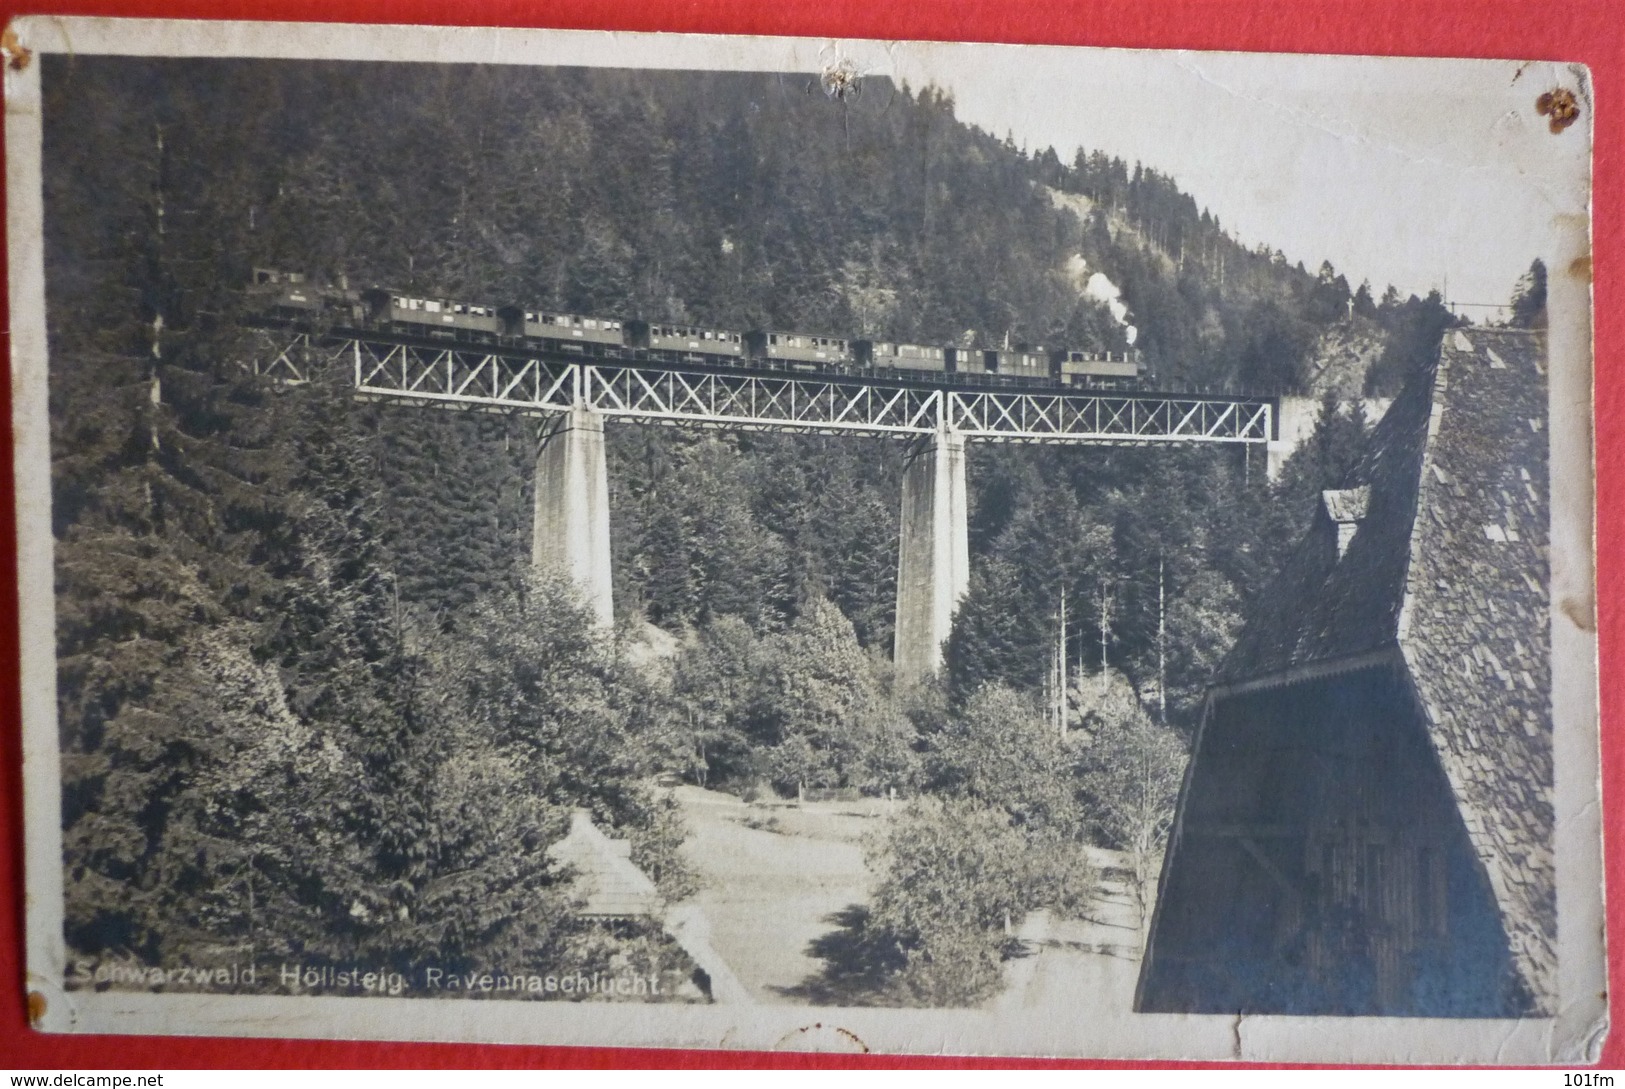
x,y
657,831
956,874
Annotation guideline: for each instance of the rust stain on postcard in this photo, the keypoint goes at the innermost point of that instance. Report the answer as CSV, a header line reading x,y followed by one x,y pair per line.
x,y
17,54
1582,612
821,1037
1560,106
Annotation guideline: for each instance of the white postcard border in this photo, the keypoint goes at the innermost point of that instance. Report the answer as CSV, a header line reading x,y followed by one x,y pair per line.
x,y
1575,1035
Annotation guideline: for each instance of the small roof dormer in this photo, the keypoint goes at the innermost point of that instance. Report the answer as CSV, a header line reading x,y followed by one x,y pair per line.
x,y
1346,507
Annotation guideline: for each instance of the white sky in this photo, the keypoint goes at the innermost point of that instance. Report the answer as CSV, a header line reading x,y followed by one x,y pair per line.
x,y
1419,173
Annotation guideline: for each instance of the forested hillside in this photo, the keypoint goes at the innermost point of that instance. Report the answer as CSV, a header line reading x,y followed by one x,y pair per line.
x,y
311,696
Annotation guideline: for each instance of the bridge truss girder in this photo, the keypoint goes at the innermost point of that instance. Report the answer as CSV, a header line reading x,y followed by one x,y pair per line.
x,y
472,378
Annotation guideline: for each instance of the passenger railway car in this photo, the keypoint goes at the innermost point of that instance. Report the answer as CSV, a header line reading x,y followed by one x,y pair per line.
x,y
1017,364
1096,369
438,319
685,340
544,329
801,351
879,355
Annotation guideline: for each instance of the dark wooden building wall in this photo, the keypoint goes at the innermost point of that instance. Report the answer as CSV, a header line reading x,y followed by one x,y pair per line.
x,y
1321,866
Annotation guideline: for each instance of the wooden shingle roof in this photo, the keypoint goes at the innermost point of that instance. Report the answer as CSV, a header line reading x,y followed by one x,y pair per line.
x,y
613,887
1448,569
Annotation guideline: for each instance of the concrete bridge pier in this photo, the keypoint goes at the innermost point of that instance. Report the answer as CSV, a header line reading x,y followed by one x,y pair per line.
x,y
572,506
933,557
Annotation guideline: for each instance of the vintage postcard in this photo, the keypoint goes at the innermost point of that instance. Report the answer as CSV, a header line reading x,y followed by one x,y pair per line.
x,y
593,538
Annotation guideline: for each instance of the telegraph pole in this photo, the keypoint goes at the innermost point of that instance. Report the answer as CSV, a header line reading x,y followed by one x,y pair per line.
x,y
1162,645
1060,671
1105,631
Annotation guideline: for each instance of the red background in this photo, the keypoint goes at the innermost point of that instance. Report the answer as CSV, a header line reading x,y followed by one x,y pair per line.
x,y
1589,31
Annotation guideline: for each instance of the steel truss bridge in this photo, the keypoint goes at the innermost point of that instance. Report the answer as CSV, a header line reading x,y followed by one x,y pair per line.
x,y
490,379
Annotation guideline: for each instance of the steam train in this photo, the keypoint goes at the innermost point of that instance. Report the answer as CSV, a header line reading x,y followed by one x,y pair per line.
x,y
291,297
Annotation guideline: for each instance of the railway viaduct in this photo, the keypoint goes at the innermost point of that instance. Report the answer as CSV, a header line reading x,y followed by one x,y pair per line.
x,y
574,397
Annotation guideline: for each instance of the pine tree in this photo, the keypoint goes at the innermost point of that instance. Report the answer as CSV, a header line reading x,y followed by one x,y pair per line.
x,y
1529,298
820,698
989,640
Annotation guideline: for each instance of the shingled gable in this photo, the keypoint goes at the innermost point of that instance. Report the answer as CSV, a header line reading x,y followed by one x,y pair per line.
x,y
1432,611
612,887
1475,625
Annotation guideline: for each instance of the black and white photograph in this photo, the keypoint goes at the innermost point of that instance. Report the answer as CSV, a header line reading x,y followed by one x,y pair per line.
x,y
587,538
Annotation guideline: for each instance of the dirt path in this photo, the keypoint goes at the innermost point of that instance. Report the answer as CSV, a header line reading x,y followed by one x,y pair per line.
x,y
1098,956
776,874
772,888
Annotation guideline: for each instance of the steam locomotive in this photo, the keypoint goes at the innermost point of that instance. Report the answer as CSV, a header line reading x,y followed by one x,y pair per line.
x,y
291,297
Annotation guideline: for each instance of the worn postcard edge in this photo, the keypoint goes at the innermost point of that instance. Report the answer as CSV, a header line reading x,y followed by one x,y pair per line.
x,y
1575,1034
